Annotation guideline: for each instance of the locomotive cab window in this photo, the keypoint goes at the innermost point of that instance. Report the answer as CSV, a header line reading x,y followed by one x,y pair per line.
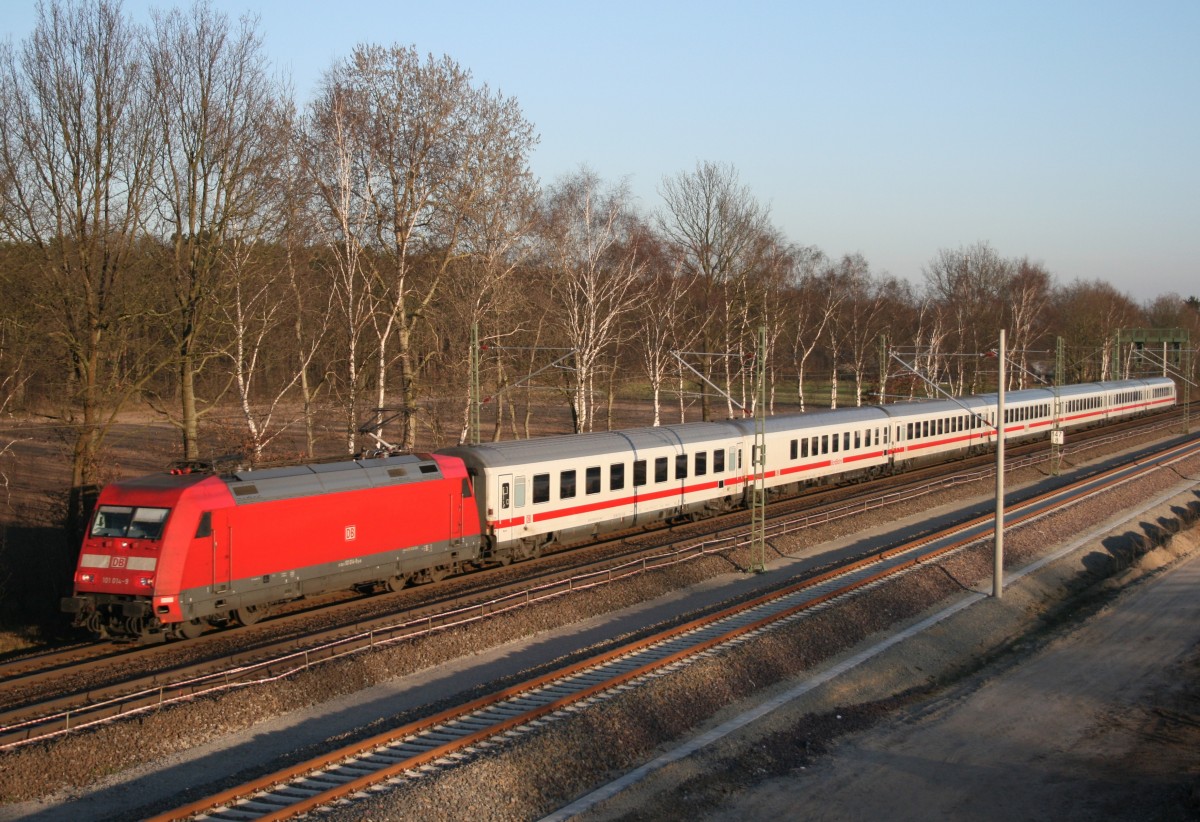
x,y
127,521
204,529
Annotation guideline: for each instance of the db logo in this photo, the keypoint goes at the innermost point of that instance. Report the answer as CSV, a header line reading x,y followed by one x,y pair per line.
x,y
351,533
117,562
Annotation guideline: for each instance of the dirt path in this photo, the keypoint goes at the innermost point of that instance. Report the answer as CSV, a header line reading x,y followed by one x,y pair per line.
x,y
1102,723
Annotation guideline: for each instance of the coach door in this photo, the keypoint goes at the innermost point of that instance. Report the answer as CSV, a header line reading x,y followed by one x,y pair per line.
x,y
506,513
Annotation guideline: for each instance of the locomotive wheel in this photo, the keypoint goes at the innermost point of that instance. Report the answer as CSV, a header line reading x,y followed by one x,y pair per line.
x,y
250,614
438,572
396,583
189,630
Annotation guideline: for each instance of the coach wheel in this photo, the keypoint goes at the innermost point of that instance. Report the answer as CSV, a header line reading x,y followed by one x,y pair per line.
x,y
250,614
189,630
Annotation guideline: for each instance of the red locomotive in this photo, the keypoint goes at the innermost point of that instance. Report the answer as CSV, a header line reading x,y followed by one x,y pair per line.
x,y
168,554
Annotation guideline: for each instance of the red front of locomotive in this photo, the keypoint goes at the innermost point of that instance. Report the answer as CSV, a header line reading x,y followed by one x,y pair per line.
x,y
167,554
135,550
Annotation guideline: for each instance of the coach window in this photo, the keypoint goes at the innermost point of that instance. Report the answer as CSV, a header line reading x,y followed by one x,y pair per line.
x,y
795,448
519,498
837,442
824,443
910,425
660,469
505,495
681,466
593,480
857,440
616,476
566,485
804,448
541,488
639,473
701,463
719,461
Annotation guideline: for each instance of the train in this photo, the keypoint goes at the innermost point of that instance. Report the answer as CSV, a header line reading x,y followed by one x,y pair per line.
x,y
168,555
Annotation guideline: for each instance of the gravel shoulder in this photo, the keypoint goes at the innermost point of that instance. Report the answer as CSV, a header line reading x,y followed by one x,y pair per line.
x,y
1085,712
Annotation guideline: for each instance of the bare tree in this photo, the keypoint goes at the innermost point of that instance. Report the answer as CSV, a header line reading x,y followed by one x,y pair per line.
x,y
717,225
426,148
590,242
661,330
812,304
1028,293
1089,315
74,162
970,283
334,164
218,121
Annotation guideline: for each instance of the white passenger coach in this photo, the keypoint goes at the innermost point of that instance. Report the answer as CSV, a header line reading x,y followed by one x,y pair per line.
x,y
576,486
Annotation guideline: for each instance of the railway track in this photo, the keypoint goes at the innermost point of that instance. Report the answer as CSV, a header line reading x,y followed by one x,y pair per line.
x,y
149,684
461,733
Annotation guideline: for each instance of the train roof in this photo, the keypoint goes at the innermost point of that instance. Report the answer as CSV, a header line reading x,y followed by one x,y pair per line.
x,y
595,444
817,418
328,477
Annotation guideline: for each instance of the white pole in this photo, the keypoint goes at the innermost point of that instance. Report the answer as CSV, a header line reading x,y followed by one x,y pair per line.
x,y
998,572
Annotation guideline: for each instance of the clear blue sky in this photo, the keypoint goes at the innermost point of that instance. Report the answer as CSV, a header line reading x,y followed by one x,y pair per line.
x,y
1068,132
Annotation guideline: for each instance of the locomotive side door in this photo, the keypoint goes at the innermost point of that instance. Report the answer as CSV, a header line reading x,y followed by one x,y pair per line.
x,y
457,501
222,552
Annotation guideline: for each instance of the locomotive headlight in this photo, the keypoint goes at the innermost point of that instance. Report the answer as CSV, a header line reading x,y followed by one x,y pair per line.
x,y
87,577
146,582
